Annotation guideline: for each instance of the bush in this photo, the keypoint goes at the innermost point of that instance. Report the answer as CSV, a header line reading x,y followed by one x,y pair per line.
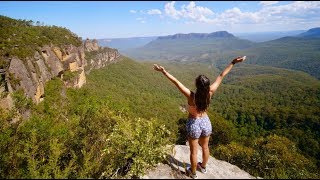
x,y
21,38
69,76
21,102
135,145
223,131
270,157
235,154
66,135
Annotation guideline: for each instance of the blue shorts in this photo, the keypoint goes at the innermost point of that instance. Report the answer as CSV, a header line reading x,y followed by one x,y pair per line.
x,y
197,127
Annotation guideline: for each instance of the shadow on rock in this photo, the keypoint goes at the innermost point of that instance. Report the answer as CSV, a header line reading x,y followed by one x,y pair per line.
x,y
182,132
178,167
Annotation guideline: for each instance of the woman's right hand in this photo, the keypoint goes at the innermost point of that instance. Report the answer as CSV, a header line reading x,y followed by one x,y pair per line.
x,y
158,68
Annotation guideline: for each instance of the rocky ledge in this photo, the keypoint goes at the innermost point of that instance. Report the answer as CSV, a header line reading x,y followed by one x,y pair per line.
x,y
179,159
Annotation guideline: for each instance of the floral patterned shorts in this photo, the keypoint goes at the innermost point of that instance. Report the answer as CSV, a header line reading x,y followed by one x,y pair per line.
x,y
200,126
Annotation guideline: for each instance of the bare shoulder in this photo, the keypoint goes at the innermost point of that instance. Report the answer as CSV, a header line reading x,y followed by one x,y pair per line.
x,y
191,98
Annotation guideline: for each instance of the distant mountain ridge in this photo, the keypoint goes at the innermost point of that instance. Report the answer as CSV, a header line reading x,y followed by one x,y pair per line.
x,y
189,47
267,36
314,32
298,51
125,43
218,34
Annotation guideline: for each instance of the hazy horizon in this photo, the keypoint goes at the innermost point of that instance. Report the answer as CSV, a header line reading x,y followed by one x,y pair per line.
x,y
239,33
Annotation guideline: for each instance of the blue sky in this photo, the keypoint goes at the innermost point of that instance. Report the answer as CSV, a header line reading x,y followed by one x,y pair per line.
x,y
112,19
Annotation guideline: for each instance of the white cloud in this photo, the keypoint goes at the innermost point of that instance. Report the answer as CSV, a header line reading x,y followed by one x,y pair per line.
x,y
268,3
235,15
269,15
141,19
196,13
171,11
297,7
191,11
154,11
294,12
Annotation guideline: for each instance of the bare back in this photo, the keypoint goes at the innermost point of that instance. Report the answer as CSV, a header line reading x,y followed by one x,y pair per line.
x,y
192,108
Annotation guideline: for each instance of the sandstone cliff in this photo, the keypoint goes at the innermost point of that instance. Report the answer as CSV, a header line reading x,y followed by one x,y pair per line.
x,y
99,57
48,62
68,63
91,45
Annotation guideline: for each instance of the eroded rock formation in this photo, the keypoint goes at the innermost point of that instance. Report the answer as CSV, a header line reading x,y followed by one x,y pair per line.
x,y
99,57
91,45
31,74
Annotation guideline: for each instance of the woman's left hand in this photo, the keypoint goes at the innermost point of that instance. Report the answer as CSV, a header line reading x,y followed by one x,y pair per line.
x,y
158,68
239,59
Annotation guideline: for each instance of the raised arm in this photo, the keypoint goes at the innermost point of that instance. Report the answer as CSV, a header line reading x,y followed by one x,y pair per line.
x,y
214,86
185,91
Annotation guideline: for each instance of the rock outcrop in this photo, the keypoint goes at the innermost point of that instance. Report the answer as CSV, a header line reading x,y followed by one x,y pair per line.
x,y
99,57
67,62
91,45
31,74
179,159
6,102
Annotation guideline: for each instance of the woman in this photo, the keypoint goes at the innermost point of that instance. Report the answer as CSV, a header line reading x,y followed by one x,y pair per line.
x,y
198,125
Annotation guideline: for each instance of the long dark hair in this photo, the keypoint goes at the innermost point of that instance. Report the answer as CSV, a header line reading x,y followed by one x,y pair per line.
x,y
202,96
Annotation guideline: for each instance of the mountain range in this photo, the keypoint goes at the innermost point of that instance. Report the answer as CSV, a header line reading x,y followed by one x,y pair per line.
x,y
267,36
134,42
218,34
299,52
188,47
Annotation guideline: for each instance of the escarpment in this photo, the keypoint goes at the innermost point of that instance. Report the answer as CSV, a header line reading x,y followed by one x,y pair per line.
x,y
97,56
68,62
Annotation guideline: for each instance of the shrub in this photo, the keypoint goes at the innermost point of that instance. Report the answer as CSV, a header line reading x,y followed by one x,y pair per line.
x,y
69,76
135,145
270,157
21,102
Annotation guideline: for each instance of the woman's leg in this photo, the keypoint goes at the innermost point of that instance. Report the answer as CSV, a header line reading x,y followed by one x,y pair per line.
x,y
204,143
193,143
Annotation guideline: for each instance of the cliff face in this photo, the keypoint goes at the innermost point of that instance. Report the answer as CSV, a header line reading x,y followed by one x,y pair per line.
x,y
67,62
32,73
99,57
91,45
